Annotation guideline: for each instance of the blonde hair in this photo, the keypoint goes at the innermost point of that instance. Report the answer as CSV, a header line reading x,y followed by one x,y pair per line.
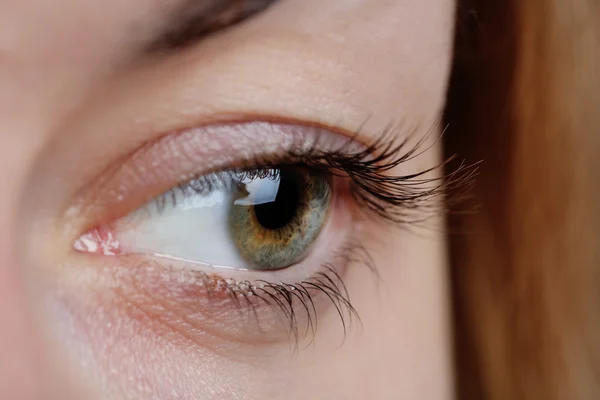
x,y
525,99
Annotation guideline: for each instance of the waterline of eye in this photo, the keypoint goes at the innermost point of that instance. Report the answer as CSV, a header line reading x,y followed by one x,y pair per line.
x,y
196,263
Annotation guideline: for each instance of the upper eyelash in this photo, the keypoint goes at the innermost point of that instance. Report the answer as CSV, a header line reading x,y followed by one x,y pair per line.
x,y
398,199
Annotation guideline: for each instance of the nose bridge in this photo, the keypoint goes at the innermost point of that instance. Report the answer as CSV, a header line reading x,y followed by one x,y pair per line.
x,y
20,351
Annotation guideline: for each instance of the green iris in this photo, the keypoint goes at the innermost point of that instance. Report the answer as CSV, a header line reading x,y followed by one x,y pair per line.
x,y
278,214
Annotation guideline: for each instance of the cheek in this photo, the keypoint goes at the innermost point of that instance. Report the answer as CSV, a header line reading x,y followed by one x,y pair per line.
x,y
122,349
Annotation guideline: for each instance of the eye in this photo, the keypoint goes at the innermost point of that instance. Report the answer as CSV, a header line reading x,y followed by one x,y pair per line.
x,y
256,216
260,219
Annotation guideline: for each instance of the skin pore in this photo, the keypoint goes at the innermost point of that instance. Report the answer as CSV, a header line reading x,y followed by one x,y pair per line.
x,y
84,86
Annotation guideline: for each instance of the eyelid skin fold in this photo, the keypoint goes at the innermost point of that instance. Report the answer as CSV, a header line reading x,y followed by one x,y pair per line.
x,y
178,157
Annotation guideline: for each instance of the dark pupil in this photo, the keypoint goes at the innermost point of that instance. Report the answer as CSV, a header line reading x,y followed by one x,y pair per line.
x,y
280,212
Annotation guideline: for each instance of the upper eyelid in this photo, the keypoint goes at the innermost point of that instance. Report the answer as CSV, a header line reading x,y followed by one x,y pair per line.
x,y
178,157
229,145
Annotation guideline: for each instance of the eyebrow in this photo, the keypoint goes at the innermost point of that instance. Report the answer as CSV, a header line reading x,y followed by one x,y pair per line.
x,y
194,20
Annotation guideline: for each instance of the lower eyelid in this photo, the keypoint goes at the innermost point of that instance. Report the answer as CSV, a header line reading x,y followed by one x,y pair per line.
x,y
214,312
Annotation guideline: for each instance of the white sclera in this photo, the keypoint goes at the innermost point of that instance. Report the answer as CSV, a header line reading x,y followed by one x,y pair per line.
x,y
192,226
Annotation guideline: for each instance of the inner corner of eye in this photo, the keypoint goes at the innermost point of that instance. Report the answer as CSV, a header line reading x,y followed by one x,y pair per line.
x,y
99,240
261,219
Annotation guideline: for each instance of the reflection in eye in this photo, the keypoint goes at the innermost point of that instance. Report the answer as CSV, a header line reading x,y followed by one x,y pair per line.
x,y
262,219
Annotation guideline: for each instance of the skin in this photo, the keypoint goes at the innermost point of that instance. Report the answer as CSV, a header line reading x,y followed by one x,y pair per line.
x,y
78,91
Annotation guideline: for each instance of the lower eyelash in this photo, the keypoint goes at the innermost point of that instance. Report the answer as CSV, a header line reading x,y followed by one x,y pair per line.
x,y
328,282
296,303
